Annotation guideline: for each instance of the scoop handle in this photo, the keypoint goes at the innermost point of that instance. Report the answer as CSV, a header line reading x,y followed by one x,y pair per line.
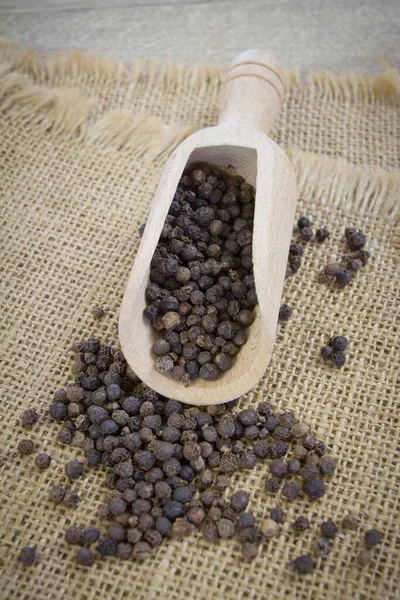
x,y
252,91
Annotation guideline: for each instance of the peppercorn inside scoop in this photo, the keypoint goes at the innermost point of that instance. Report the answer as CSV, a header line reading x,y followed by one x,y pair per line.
x,y
201,294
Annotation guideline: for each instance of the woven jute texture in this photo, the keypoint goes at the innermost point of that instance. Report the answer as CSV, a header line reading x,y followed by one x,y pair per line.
x,y
82,145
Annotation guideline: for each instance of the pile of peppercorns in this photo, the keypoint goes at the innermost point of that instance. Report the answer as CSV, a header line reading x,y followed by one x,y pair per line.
x,y
343,274
201,293
168,464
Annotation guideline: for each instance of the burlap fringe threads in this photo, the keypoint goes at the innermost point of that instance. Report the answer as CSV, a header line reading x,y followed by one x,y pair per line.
x,y
63,111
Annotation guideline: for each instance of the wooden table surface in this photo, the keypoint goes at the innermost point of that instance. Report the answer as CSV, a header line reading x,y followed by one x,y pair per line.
x,y
336,35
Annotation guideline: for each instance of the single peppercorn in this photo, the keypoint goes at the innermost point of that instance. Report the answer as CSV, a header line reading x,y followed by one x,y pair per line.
x,y
239,500
322,234
73,535
291,490
278,515
304,564
343,277
329,529
323,546
272,485
306,233
338,358
372,538
315,489
74,469
85,557
26,447
301,523
364,558
356,240
30,417
269,528
303,222
285,312
42,460
27,555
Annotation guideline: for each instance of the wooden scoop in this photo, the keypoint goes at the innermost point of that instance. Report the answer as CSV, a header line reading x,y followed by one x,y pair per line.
x,y
251,96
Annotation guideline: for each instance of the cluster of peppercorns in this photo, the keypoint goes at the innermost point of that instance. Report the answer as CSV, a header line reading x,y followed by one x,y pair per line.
x,y
168,464
323,546
296,249
27,447
201,293
334,351
343,274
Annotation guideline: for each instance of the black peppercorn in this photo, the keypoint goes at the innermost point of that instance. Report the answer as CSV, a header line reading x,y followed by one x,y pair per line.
x,y
304,564
303,222
74,469
338,358
42,460
27,555
26,447
278,515
339,342
301,524
329,529
30,417
343,277
356,240
306,233
372,538
285,312
315,488
322,234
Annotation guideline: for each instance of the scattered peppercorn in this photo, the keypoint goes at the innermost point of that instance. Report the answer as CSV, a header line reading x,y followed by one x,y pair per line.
x,y
74,469
291,490
356,240
98,312
372,538
301,523
27,555
26,447
278,515
303,222
306,233
364,558
285,312
73,535
343,277
350,522
304,564
315,489
322,234
269,528
85,557
329,529
323,546
42,460
239,500
339,342
30,417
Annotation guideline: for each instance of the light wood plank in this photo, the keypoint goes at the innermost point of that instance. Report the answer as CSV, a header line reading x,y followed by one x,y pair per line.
x,y
338,36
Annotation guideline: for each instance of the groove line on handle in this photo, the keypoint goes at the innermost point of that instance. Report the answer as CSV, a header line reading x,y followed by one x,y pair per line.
x,y
257,64
226,81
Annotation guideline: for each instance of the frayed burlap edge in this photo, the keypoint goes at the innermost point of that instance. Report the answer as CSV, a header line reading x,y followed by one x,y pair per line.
x,y
347,87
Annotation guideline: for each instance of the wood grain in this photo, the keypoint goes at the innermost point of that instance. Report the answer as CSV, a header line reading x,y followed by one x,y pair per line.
x,y
249,106
338,36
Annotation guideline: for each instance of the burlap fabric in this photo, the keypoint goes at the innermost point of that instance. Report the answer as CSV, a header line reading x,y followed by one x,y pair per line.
x,y
83,142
